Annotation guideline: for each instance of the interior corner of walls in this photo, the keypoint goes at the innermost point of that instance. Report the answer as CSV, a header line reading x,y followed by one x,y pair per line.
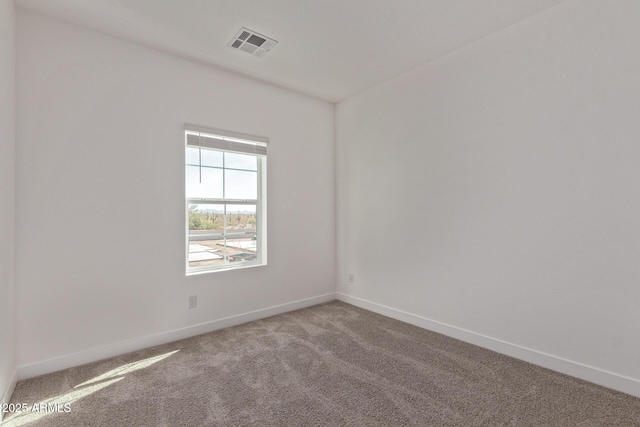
x,y
8,391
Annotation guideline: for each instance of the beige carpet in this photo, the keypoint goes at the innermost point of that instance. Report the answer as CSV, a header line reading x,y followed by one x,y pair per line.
x,y
328,365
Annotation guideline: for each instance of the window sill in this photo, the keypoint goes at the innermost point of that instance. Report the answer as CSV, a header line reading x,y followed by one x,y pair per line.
x,y
225,268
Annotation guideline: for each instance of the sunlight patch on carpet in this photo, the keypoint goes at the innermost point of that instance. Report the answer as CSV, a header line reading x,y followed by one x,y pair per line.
x,y
128,368
58,402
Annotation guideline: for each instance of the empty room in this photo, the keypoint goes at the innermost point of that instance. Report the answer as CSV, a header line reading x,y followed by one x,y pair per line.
x,y
319,212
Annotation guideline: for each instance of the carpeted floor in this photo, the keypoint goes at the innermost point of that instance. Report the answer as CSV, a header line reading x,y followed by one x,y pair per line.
x,y
328,365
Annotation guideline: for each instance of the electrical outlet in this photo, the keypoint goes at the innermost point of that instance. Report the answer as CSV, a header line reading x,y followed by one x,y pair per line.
x,y
193,301
351,278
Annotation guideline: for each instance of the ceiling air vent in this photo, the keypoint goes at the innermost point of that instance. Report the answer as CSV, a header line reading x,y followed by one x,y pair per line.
x,y
251,42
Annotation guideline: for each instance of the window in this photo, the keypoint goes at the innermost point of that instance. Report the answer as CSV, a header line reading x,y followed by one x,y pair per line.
x,y
225,200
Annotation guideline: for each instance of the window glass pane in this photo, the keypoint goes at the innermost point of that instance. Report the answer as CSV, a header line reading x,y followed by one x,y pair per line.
x,y
241,219
212,158
241,185
191,156
240,161
211,185
206,240
209,157
241,233
204,217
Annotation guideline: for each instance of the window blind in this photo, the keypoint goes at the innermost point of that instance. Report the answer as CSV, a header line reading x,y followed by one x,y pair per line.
x,y
198,137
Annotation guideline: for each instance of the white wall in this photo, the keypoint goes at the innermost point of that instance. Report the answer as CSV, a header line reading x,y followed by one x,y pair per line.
x,y
100,192
7,196
497,190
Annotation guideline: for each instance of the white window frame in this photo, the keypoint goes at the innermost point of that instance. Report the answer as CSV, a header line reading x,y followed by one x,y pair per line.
x,y
233,142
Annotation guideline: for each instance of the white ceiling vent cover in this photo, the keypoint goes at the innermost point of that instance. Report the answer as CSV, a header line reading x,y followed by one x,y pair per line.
x,y
251,42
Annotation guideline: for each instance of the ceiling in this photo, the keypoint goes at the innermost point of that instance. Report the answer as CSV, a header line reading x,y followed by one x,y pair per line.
x,y
329,49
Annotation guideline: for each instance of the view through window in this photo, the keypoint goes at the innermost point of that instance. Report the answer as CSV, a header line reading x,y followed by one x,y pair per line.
x,y
225,207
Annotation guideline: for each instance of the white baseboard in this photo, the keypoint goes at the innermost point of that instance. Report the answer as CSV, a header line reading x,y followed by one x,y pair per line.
x,y
8,392
104,352
575,369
